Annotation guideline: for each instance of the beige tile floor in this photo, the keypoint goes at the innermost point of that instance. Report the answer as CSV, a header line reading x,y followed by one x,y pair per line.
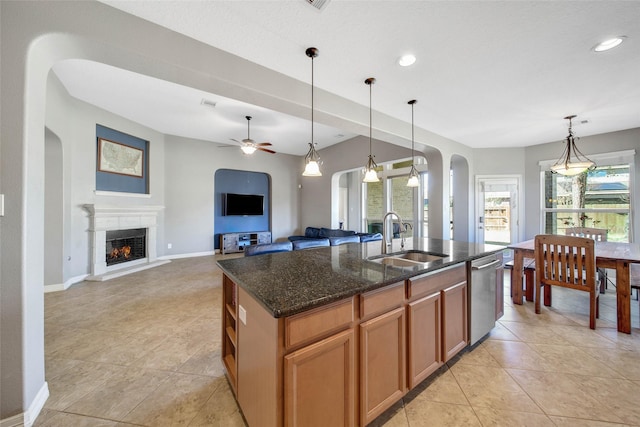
x,y
144,350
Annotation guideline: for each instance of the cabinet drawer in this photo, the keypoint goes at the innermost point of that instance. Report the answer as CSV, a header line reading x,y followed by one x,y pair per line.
x,y
428,283
381,300
317,323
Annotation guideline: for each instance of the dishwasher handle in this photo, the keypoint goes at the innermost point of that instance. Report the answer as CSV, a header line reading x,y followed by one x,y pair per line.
x,y
482,267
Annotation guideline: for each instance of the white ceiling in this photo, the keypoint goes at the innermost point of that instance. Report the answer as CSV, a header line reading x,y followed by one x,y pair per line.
x,y
488,73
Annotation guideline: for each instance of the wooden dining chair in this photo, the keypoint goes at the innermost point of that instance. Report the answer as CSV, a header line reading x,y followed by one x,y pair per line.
x,y
569,262
599,235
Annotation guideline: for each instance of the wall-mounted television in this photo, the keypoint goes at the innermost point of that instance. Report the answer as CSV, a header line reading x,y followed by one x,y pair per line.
x,y
242,204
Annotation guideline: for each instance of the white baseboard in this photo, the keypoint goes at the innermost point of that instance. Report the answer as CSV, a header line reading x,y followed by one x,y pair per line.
x,y
36,406
191,255
128,270
15,421
28,418
66,285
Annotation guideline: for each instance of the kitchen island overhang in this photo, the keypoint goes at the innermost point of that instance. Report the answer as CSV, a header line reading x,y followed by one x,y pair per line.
x,y
292,282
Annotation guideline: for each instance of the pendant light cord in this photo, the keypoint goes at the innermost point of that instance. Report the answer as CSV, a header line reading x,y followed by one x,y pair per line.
x,y
312,101
412,143
370,117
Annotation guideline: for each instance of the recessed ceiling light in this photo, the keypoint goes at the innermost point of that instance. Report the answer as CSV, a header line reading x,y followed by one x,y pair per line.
x,y
609,44
208,103
406,60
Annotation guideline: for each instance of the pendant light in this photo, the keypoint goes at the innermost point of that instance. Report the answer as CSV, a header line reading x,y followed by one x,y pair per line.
x,y
370,174
414,180
572,161
312,159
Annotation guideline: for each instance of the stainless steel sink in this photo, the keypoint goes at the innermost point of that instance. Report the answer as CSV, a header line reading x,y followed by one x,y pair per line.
x,y
408,258
420,256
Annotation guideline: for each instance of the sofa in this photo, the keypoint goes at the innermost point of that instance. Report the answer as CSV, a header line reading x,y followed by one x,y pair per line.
x,y
335,236
268,248
313,238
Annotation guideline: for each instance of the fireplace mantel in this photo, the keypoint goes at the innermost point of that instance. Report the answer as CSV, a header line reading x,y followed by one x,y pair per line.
x,y
103,218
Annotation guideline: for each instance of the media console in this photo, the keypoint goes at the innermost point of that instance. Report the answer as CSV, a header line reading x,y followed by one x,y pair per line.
x,y
235,242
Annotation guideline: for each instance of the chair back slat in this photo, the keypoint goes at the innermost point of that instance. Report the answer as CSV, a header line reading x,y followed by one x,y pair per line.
x,y
597,234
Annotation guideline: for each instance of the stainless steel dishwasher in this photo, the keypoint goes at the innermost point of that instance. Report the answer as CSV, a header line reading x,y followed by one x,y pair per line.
x,y
482,296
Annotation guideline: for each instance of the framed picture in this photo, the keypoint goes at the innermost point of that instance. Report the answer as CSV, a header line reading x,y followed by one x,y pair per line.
x,y
114,157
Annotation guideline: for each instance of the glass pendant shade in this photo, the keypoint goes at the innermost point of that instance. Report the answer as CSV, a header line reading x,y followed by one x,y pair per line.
x,y
371,176
370,173
571,169
572,161
312,169
312,159
312,162
414,180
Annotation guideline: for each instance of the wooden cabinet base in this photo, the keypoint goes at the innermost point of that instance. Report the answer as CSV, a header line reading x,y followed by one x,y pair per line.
x,y
345,363
320,383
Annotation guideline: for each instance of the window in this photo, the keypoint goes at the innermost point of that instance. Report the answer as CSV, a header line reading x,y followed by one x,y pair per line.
x,y
392,193
598,199
402,202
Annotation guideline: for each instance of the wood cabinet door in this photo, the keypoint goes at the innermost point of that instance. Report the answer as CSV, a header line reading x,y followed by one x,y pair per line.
x,y
424,338
382,363
320,383
454,320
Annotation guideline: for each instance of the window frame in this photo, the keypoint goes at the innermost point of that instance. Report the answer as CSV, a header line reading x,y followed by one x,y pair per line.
x,y
618,158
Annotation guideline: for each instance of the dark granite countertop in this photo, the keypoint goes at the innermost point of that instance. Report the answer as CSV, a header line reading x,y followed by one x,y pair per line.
x,y
287,283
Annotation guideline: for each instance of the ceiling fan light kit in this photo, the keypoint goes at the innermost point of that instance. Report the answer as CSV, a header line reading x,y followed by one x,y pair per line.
x,y
249,146
370,173
572,161
312,159
248,149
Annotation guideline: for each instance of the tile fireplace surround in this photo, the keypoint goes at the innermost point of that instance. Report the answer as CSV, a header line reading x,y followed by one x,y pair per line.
x,y
104,218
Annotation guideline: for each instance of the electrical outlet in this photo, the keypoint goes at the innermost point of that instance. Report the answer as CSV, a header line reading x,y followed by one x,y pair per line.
x,y
169,245
242,313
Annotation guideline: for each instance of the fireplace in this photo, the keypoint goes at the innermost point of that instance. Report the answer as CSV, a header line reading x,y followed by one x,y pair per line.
x,y
123,240
125,245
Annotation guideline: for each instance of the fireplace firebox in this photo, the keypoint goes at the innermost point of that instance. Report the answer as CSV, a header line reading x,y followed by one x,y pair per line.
x,y
125,245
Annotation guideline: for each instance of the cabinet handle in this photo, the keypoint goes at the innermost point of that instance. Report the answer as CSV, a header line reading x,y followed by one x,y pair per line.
x,y
482,267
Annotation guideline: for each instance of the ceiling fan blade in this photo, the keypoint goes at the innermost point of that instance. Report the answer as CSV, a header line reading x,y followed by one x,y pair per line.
x,y
235,140
266,150
264,144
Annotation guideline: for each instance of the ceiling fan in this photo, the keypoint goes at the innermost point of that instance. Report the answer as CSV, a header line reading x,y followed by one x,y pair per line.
x,y
249,146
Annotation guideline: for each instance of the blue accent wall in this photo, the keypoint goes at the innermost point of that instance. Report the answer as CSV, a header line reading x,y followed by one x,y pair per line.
x,y
240,182
106,181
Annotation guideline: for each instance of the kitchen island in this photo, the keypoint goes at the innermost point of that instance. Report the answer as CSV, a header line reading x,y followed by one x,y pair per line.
x,y
336,335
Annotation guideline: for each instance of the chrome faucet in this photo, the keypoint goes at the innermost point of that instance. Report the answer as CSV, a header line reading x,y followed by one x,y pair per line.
x,y
386,244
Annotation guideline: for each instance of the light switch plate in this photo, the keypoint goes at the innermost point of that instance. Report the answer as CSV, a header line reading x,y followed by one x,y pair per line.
x,y
1,204
242,313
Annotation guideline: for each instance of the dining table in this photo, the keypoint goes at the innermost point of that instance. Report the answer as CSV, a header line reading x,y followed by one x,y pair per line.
x,y
614,255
